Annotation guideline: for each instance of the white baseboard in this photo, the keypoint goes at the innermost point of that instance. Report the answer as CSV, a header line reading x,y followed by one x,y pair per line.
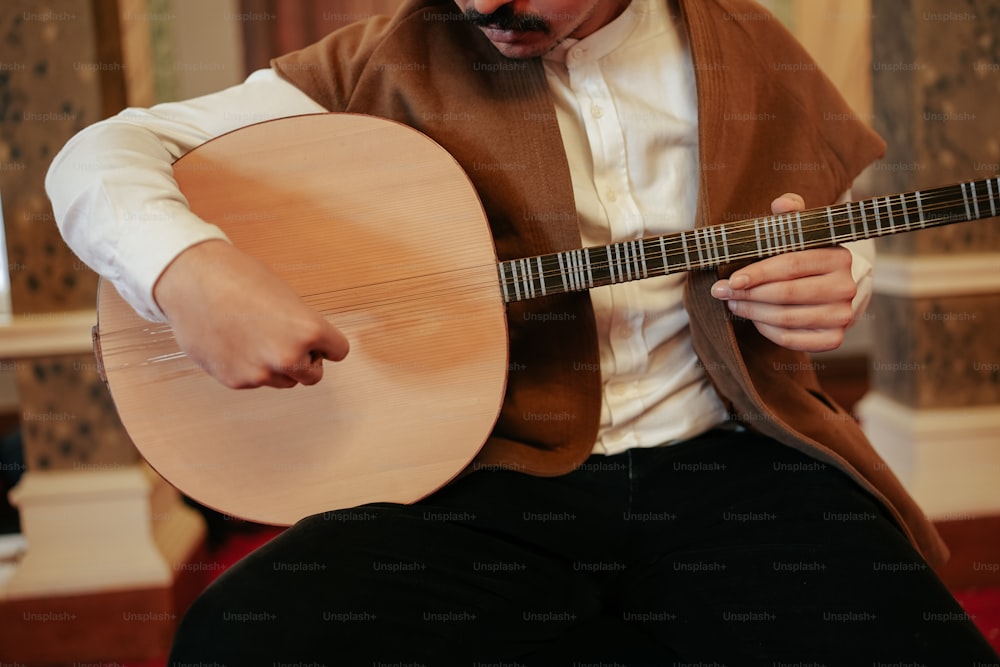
x,y
918,276
95,531
948,458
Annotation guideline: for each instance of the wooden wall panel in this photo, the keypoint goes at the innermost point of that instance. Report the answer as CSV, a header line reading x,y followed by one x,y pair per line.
x,y
837,34
291,24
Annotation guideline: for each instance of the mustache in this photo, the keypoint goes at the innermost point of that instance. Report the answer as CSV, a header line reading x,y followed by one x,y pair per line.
x,y
504,18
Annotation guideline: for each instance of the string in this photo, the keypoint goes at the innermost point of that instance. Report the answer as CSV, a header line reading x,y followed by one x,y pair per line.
x,y
324,302
877,221
813,220
750,227
437,292
810,221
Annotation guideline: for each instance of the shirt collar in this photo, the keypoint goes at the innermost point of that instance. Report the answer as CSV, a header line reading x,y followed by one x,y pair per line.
x,y
606,39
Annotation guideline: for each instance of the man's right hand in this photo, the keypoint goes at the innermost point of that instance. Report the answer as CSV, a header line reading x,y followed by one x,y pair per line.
x,y
242,323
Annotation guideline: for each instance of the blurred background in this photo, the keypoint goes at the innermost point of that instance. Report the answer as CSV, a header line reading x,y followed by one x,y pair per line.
x,y
98,557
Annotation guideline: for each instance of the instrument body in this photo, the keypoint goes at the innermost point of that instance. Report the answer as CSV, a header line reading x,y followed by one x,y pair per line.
x,y
380,230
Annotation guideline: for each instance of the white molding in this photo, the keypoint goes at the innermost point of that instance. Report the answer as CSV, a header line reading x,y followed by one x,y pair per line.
x,y
87,531
947,458
98,529
916,276
43,334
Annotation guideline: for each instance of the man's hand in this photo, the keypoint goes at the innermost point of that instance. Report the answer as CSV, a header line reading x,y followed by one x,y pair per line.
x,y
241,323
799,300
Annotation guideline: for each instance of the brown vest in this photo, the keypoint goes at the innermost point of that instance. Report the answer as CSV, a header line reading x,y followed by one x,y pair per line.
x,y
769,122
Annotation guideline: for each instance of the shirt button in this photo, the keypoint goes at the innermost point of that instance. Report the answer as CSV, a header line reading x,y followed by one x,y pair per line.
x,y
624,332
612,196
596,111
577,53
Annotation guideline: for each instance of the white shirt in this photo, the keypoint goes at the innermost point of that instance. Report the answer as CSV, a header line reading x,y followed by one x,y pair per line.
x,y
627,109
633,158
112,188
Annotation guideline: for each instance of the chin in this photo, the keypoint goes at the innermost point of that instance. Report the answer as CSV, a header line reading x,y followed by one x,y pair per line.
x,y
531,45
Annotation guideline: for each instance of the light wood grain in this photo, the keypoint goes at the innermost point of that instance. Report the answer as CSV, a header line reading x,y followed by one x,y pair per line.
x,y
379,230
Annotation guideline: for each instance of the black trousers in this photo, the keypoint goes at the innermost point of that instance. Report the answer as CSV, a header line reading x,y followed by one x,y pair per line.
x,y
729,549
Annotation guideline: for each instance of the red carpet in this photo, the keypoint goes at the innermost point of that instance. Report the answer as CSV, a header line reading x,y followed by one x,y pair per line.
x,y
984,607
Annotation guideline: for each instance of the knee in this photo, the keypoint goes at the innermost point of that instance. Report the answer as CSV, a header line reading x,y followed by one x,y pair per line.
x,y
210,633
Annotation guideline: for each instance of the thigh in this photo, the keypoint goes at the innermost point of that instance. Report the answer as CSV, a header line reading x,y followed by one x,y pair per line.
x,y
495,567
382,584
771,557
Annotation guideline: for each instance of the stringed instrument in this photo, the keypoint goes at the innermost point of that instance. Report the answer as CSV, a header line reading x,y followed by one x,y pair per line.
x,y
410,275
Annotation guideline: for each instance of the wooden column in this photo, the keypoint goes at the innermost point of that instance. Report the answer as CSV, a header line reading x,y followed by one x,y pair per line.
x,y
934,408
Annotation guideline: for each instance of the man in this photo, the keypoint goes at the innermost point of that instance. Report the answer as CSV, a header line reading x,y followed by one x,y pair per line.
x,y
729,511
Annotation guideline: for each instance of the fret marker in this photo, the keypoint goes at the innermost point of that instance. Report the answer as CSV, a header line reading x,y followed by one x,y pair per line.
x,y
642,258
713,245
569,275
503,282
529,284
517,285
769,234
562,272
965,196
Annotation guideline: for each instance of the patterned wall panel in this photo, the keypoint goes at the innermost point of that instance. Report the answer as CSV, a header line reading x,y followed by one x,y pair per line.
x,y
942,351
51,71
936,75
936,70
48,76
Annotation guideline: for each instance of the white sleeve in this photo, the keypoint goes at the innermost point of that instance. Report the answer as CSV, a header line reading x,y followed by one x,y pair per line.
x,y
112,188
862,266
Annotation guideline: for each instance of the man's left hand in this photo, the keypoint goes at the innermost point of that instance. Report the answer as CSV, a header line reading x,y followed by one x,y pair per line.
x,y
799,300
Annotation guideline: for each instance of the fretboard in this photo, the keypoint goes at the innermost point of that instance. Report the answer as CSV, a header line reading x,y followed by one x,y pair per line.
x,y
708,247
